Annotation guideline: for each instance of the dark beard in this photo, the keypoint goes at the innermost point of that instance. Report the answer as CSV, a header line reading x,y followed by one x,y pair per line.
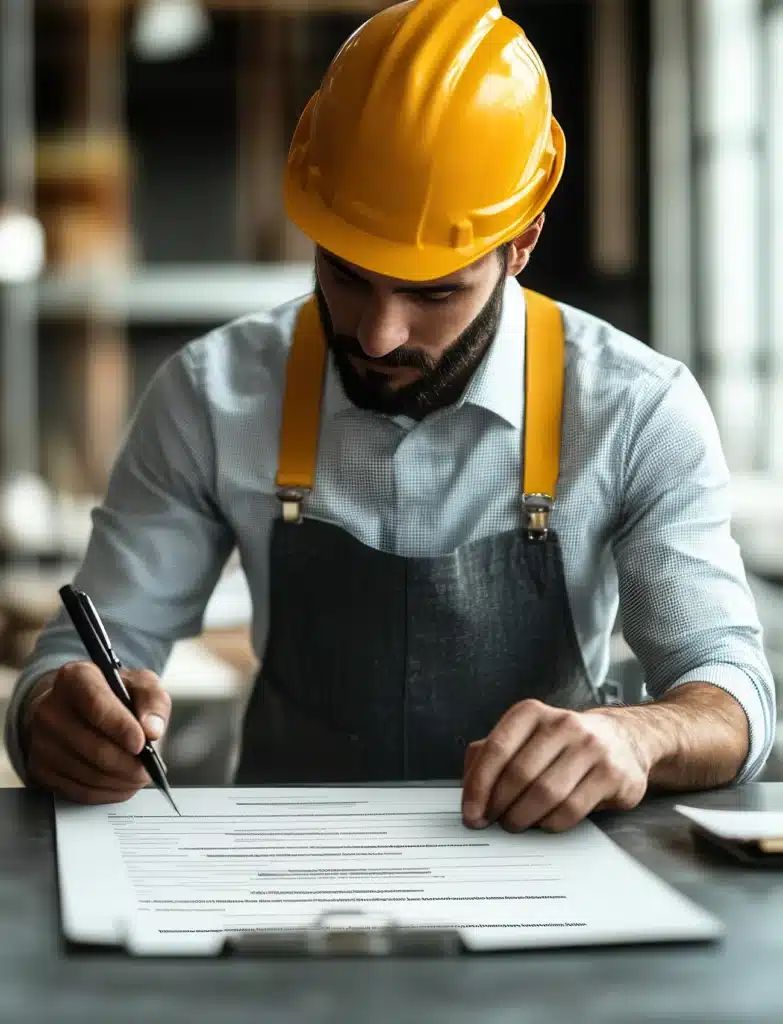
x,y
442,381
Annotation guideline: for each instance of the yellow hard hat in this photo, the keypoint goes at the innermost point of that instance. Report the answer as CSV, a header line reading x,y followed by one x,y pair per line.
x,y
430,142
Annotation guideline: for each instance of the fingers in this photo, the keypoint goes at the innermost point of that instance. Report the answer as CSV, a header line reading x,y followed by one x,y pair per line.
x,y
112,765
150,701
81,687
82,741
54,780
554,788
56,757
487,763
587,796
472,751
550,767
545,746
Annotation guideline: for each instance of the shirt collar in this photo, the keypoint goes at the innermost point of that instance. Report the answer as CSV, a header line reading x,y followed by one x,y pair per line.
x,y
497,383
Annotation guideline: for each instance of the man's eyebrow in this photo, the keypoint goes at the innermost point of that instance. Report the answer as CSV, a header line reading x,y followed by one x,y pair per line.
x,y
410,289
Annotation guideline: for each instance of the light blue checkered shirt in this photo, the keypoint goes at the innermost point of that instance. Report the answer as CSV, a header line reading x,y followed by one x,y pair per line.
x,y
642,509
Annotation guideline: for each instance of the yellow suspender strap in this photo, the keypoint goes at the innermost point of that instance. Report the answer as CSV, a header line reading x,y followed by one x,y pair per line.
x,y
544,382
544,376
301,421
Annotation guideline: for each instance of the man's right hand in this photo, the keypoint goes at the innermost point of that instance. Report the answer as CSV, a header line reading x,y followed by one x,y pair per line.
x,y
81,741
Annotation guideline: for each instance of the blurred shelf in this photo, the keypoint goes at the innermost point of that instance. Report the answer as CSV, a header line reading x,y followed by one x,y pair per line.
x,y
175,294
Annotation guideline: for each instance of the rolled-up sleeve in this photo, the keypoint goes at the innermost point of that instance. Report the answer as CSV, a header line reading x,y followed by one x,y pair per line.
x,y
685,605
158,540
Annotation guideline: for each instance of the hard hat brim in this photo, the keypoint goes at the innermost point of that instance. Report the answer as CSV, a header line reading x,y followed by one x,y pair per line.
x,y
403,261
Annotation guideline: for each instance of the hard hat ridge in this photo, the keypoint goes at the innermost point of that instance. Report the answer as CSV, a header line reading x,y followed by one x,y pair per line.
x,y
432,45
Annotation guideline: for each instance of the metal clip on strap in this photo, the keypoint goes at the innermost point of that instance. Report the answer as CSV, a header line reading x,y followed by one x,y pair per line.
x,y
291,499
537,509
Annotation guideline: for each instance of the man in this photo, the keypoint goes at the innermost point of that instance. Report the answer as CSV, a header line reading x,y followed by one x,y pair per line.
x,y
438,520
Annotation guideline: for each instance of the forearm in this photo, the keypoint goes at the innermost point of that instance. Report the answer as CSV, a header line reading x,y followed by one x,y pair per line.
x,y
695,737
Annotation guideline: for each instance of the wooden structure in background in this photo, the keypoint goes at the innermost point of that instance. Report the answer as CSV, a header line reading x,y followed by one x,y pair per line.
x,y
83,183
84,177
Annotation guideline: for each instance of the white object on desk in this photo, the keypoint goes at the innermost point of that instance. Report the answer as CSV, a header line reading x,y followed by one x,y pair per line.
x,y
242,860
744,826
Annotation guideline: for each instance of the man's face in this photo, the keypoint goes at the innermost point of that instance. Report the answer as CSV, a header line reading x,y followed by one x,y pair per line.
x,y
403,347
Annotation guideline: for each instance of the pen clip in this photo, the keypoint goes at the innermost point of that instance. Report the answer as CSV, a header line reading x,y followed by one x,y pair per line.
x,y
95,621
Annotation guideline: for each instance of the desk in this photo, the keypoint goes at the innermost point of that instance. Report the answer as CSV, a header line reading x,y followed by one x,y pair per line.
x,y
740,979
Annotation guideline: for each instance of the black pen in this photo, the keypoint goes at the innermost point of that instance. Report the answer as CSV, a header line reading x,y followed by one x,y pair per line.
x,y
88,625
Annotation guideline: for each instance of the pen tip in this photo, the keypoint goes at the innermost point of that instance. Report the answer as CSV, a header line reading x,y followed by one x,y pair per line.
x,y
170,798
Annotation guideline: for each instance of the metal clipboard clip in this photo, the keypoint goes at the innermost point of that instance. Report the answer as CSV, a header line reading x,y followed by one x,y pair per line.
x,y
352,933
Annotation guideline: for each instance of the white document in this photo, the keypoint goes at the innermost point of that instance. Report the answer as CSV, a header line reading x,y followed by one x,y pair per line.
x,y
269,858
740,825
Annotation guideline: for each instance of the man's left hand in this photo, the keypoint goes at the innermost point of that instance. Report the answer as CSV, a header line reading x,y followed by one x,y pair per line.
x,y
551,767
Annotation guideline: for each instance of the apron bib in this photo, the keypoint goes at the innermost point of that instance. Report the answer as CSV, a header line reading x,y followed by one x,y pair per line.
x,y
381,667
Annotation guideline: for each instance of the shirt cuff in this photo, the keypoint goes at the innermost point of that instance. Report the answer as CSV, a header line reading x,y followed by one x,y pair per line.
x,y
759,709
26,682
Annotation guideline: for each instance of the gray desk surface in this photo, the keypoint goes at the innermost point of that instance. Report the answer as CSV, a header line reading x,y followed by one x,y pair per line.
x,y
738,979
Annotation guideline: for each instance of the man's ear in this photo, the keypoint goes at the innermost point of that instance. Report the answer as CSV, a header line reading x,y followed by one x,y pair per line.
x,y
523,245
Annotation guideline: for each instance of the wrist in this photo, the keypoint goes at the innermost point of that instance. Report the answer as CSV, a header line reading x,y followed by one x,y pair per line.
x,y
695,736
646,731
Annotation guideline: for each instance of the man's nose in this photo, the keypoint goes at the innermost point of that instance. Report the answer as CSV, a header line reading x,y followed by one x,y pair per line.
x,y
382,329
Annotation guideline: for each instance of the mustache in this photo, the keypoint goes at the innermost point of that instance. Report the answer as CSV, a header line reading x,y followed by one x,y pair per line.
x,y
344,345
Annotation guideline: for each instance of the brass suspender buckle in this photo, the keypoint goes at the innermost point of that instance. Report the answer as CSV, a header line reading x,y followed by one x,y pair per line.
x,y
537,508
291,499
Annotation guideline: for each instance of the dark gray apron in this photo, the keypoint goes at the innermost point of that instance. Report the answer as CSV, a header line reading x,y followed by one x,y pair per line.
x,y
380,667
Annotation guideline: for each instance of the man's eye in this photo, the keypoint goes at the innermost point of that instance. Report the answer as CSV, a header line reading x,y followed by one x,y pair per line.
x,y
342,278
432,297
347,280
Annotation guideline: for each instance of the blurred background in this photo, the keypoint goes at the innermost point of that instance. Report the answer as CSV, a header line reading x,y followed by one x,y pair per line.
x,y
141,152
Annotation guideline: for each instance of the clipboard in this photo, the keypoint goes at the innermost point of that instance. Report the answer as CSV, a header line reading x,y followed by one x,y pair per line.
x,y
219,914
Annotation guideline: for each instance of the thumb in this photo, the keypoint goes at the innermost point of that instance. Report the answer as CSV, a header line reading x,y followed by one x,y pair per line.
x,y
150,701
